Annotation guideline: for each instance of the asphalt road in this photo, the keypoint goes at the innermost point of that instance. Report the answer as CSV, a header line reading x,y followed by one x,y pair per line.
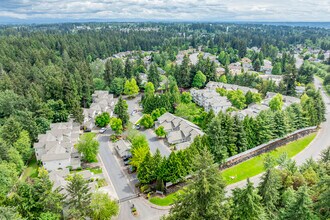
x,y
155,143
116,174
320,142
145,212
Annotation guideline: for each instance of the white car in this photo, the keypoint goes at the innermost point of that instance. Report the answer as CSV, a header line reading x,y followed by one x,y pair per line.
x,y
102,130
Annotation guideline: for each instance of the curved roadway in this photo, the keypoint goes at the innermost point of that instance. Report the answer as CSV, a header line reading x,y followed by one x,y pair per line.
x,y
313,150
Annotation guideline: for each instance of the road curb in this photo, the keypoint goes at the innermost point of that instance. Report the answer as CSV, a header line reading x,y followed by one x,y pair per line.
x,y
155,206
107,174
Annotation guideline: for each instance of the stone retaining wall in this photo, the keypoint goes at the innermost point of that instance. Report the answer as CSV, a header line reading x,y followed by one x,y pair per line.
x,y
238,158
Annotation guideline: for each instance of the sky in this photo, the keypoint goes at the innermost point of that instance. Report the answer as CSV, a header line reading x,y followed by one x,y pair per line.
x,y
39,11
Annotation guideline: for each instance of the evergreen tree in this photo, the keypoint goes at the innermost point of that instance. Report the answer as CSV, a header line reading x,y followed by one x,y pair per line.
x,y
146,171
269,191
203,198
217,139
174,168
249,125
182,74
277,69
257,65
154,76
323,203
281,124
305,73
121,110
240,136
301,207
174,91
78,197
117,85
265,126
290,79
128,69
247,203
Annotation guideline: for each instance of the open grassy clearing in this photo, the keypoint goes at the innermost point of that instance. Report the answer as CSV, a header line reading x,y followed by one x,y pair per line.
x,y
255,165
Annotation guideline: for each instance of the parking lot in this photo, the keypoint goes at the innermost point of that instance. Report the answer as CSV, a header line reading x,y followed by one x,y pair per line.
x,y
134,109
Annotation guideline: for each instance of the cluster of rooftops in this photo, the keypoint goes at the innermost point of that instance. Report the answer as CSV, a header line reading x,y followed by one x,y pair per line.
x,y
210,99
55,149
179,132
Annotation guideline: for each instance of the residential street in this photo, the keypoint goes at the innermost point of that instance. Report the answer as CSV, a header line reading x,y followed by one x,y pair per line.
x,y
117,176
321,141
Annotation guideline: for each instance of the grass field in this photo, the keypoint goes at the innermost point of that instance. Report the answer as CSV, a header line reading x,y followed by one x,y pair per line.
x,y
165,201
247,168
31,170
255,165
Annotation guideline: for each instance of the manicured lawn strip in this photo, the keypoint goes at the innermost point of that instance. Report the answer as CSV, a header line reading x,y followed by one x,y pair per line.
x,y
247,168
31,170
255,165
167,200
95,170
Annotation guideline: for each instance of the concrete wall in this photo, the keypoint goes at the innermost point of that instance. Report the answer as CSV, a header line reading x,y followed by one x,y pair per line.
x,y
238,158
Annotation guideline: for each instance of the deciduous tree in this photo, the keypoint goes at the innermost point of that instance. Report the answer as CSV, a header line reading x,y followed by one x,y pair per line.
x,y
88,146
102,207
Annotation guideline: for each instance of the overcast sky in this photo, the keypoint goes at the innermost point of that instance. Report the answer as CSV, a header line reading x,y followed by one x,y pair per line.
x,y
184,10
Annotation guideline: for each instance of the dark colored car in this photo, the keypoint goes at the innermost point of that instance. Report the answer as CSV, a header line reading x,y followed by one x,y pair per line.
x,y
87,130
127,157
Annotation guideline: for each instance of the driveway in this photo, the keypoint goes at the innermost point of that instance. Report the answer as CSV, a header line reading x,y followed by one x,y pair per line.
x,y
114,170
156,143
133,104
320,142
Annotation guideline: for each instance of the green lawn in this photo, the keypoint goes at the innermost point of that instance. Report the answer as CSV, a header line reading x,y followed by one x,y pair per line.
x,y
165,201
31,170
95,170
247,168
255,165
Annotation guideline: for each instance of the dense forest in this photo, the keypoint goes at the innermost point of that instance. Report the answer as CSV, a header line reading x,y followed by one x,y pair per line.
x,y
48,73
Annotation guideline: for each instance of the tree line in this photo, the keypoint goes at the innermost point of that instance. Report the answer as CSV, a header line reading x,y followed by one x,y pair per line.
x,y
284,192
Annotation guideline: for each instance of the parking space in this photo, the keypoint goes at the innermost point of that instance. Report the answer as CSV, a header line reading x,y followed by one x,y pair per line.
x,y
134,109
156,143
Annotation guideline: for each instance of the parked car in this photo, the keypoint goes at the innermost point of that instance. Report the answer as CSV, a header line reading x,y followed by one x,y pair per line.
x,y
127,157
137,126
102,130
126,163
87,130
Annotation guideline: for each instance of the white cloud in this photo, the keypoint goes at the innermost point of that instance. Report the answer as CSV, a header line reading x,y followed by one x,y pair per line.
x,y
212,10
